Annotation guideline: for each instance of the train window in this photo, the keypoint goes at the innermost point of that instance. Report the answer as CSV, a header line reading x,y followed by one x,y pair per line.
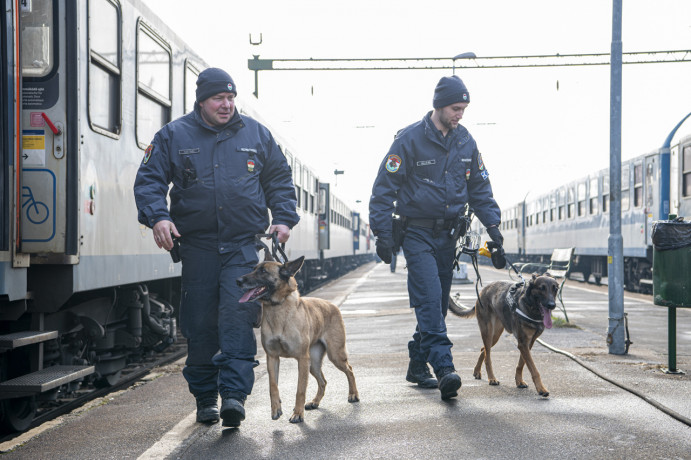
x,y
37,38
686,171
593,195
104,67
605,194
571,203
297,172
638,185
561,197
625,178
191,74
581,199
153,84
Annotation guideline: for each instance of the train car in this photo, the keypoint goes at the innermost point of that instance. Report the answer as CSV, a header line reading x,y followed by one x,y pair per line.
x,y
84,291
576,215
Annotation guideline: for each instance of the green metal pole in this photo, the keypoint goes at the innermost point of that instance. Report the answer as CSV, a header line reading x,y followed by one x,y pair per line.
x,y
672,339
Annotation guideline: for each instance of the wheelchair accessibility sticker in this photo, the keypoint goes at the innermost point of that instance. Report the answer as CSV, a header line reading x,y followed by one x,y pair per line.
x,y
38,205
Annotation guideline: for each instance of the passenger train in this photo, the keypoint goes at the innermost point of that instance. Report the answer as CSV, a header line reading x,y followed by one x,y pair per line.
x,y
84,290
576,214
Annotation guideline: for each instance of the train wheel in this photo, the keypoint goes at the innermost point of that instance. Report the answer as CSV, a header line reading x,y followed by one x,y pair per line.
x,y
18,413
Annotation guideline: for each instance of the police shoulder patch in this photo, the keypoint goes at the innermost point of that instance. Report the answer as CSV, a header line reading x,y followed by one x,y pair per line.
x,y
147,153
480,164
393,162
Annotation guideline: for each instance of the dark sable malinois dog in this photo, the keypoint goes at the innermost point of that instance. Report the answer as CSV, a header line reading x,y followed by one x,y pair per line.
x,y
297,327
523,310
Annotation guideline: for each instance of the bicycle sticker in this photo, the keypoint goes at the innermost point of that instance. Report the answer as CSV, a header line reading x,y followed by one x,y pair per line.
x,y
38,205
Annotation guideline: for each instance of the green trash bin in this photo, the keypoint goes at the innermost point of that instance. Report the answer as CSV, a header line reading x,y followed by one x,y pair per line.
x,y
672,276
672,263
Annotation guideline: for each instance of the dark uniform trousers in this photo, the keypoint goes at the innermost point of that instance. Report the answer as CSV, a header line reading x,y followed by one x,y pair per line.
x,y
430,270
219,359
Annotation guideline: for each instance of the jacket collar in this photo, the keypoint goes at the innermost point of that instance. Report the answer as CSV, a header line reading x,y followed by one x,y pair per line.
x,y
435,135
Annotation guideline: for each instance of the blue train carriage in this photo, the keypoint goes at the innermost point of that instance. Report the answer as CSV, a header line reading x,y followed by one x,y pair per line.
x,y
84,290
577,215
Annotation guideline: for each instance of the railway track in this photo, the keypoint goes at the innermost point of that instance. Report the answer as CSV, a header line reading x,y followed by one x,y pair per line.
x,y
131,374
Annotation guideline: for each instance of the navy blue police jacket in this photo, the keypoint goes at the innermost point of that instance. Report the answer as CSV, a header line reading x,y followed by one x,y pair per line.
x,y
223,181
431,177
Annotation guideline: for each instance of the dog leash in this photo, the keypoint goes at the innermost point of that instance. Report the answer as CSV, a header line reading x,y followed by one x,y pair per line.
x,y
276,248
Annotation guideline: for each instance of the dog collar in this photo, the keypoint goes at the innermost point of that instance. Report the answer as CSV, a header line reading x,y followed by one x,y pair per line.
x,y
527,318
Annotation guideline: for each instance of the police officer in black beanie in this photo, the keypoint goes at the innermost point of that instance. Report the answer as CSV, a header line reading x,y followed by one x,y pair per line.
x,y
432,170
225,169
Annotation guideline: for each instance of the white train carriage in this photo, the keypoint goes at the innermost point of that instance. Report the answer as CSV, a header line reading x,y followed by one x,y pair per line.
x,y
85,85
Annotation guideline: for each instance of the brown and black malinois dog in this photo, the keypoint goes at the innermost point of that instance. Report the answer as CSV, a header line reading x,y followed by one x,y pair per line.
x,y
297,327
523,310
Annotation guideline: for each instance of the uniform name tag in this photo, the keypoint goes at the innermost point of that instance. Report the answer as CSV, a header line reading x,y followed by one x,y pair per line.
x,y
466,160
188,151
426,162
247,150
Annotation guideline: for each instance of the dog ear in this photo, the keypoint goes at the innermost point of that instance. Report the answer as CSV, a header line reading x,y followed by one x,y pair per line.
x,y
291,268
531,284
267,255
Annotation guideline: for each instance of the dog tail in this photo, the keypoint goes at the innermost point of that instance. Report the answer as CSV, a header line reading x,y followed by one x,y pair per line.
x,y
461,311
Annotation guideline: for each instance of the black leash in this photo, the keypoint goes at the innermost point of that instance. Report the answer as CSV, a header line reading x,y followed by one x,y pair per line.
x,y
276,248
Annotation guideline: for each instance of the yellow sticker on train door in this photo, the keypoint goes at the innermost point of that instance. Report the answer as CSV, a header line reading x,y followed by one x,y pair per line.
x,y
33,147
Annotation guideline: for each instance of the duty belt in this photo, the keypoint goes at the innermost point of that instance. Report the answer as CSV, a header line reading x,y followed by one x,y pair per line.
x,y
436,224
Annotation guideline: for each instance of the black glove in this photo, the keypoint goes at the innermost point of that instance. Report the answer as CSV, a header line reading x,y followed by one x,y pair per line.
x,y
495,234
384,250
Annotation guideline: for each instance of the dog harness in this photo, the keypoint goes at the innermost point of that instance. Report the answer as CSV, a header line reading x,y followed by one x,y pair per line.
x,y
511,297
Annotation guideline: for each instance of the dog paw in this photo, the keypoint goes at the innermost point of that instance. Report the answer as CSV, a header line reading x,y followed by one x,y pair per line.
x,y
353,398
296,418
478,376
521,385
543,393
494,382
311,406
276,415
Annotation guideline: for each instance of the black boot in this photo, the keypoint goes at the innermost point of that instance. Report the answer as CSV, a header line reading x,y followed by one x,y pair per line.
x,y
207,408
232,412
449,382
419,373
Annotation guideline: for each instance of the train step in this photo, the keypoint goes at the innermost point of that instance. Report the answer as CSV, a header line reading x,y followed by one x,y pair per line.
x,y
42,381
23,338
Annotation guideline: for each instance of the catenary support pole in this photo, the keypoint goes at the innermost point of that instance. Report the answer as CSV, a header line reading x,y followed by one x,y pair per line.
x,y
615,260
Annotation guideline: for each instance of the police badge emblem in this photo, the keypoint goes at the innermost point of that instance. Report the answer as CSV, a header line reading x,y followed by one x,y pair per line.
x,y
393,163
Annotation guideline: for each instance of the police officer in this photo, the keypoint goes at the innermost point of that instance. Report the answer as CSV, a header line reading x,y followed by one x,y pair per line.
x,y
431,172
226,169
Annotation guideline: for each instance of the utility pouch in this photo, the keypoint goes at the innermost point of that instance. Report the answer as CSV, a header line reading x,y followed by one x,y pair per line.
x,y
175,251
398,227
460,226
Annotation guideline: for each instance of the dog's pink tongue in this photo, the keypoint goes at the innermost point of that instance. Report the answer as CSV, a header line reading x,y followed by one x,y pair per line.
x,y
546,317
246,296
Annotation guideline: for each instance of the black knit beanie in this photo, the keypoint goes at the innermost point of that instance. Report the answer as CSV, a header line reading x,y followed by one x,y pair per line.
x,y
450,90
213,81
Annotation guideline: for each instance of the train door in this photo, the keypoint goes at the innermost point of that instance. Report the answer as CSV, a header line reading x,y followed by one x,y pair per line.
x,y
45,156
651,191
324,218
12,265
680,179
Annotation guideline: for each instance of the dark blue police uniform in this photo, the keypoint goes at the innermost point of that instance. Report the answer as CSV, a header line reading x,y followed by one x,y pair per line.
x,y
430,178
224,178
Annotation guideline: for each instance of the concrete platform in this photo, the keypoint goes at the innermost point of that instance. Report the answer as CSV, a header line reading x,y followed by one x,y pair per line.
x,y
586,416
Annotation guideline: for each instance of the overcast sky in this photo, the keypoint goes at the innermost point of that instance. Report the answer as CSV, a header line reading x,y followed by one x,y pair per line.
x,y
536,128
